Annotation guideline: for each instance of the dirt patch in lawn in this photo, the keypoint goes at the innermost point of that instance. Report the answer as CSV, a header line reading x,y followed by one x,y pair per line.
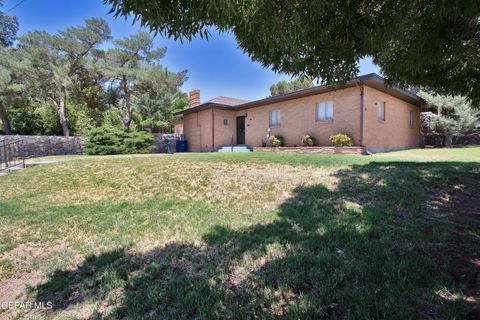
x,y
12,290
458,202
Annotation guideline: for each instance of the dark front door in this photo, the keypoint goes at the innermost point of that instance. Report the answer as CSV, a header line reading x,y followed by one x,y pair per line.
x,y
241,130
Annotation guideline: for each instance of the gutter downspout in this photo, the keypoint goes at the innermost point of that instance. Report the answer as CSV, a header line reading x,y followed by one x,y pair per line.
x,y
213,130
362,94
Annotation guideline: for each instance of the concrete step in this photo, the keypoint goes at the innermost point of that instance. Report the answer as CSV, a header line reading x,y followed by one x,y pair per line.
x,y
237,148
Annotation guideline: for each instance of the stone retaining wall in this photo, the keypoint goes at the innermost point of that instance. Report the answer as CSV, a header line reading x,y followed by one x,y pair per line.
x,y
438,139
325,150
40,146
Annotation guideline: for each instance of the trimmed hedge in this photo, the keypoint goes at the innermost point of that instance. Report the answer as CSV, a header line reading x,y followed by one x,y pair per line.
x,y
110,140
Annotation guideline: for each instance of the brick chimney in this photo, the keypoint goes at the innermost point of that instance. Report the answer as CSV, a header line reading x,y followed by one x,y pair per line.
x,y
193,98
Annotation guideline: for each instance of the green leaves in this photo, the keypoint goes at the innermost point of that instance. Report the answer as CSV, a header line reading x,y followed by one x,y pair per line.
x,y
429,43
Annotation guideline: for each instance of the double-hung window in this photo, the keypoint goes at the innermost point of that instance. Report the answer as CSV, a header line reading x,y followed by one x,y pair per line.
x,y
274,118
381,110
325,111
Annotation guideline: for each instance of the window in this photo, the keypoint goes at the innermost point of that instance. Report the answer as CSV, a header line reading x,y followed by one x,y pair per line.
x,y
410,120
381,110
274,118
225,122
325,111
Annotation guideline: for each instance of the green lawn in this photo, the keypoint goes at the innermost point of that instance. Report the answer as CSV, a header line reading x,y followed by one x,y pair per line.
x,y
258,235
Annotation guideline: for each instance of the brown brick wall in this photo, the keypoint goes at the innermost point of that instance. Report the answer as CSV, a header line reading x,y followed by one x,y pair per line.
x,y
394,133
197,128
298,118
224,133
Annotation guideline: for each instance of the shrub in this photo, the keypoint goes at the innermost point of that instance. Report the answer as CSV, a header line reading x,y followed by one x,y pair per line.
x,y
276,141
138,142
109,140
341,140
308,141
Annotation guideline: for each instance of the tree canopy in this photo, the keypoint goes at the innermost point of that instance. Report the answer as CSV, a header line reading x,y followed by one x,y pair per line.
x,y
8,28
429,43
74,85
454,114
283,87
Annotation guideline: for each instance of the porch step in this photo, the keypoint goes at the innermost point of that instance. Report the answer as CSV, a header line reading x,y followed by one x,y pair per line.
x,y
236,148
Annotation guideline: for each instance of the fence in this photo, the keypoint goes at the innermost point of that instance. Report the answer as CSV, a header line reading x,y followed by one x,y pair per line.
x,y
12,154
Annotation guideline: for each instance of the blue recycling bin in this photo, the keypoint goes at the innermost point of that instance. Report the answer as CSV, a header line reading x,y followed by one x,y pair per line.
x,y
181,146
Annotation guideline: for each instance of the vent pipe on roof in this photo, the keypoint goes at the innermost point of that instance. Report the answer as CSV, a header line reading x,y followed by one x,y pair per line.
x,y
193,98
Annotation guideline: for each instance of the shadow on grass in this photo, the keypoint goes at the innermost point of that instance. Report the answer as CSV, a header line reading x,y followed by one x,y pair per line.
x,y
392,240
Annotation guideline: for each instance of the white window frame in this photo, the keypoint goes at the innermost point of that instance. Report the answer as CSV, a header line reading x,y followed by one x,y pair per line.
x,y
410,119
274,118
381,105
324,111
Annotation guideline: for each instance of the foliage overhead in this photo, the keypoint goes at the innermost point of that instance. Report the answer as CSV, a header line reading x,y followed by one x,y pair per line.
x,y
428,43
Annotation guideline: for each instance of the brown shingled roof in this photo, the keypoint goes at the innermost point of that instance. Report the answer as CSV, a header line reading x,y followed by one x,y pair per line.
x,y
227,101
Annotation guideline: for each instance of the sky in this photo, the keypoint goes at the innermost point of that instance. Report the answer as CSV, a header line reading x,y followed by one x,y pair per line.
x,y
217,67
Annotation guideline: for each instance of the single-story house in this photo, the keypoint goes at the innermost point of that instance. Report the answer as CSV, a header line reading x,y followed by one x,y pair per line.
x,y
376,116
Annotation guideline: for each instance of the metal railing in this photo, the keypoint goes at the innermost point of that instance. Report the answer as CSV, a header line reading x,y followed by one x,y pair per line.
x,y
12,154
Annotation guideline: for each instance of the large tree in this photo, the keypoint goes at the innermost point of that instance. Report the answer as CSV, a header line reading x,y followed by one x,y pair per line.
x,y
8,28
135,74
55,62
8,31
427,43
283,87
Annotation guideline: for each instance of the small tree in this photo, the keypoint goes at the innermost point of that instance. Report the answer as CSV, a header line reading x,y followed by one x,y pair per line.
x,y
460,116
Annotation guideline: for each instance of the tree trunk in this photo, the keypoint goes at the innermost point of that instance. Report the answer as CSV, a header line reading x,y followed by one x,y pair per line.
x,y
127,112
448,140
62,115
7,129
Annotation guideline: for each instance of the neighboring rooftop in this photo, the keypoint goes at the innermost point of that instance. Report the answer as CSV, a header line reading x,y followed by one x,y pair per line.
x,y
372,80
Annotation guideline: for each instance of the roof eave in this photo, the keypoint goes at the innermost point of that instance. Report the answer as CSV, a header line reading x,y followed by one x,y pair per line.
x,y
204,106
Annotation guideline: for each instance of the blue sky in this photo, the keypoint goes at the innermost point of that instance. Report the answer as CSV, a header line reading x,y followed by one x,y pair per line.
x,y
216,67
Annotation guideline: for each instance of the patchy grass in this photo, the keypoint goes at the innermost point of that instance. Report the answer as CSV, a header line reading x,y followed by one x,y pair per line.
x,y
262,235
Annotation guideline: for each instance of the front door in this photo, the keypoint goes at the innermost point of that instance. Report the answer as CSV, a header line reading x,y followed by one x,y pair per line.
x,y
241,130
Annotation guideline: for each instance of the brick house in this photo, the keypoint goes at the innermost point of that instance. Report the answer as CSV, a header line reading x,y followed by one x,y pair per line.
x,y
376,116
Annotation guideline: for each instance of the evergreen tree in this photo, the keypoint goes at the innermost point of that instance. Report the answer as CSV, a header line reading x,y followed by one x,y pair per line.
x,y
54,62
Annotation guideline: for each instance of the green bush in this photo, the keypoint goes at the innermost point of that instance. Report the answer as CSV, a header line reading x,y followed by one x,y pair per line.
x,y
308,141
138,142
110,140
341,140
276,141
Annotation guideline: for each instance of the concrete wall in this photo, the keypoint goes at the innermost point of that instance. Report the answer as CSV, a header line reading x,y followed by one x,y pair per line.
x,y
394,133
298,118
39,146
